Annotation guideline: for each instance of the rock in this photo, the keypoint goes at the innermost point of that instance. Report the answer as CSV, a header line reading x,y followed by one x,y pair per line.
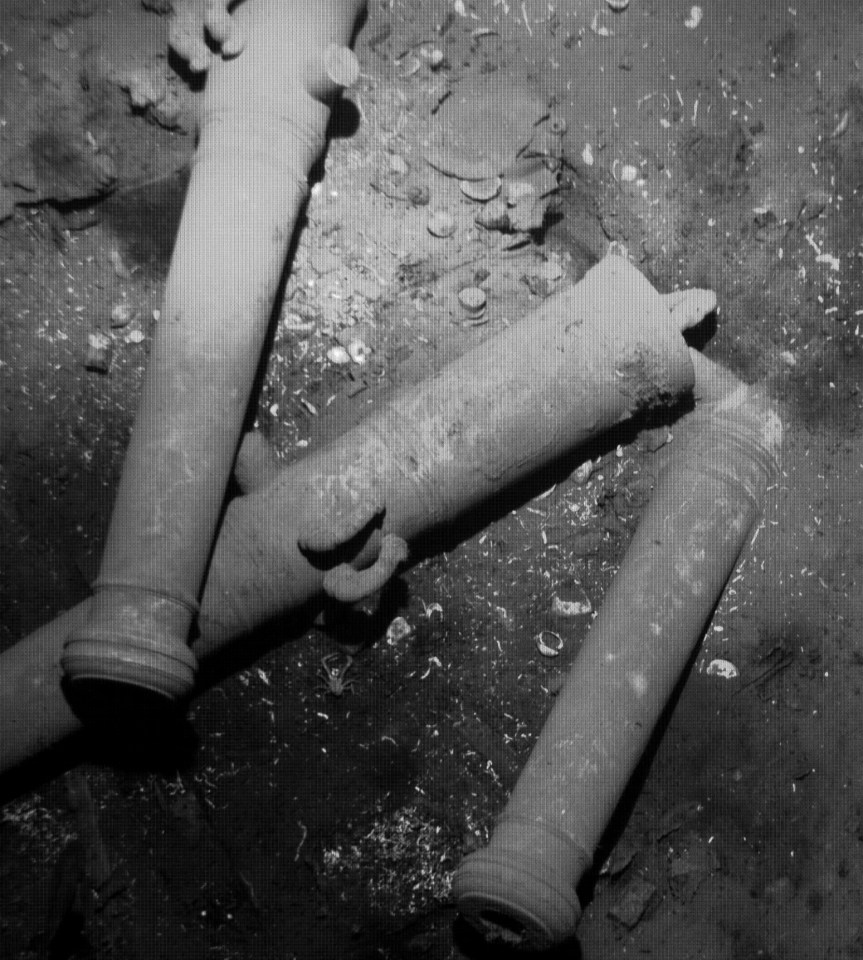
x,y
634,902
494,216
100,349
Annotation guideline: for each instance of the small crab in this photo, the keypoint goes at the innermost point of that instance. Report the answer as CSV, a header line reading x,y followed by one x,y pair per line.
x,y
332,675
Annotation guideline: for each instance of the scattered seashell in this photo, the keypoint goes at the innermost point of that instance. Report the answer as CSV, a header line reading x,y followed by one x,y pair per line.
x,y
694,18
473,300
358,351
788,358
618,6
571,608
481,190
722,668
121,314
431,608
548,643
399,629
338,355
441,224
296,323
628,173
842,126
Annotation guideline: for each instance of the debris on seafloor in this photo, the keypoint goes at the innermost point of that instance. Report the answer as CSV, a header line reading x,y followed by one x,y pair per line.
x,y
100,349
631,907
483,126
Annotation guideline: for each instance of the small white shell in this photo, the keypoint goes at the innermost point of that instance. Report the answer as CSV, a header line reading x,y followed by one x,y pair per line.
x,y
587,155
548,643
694,18
722,668
398,630
481,190
338,355
628,173
358,351
441,224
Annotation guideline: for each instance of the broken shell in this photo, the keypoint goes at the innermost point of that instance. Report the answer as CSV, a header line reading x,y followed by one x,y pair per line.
x,y
571,608
548,643
618,6
338,355
398,630
722,668
473,300
441,224
481,190
358,351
